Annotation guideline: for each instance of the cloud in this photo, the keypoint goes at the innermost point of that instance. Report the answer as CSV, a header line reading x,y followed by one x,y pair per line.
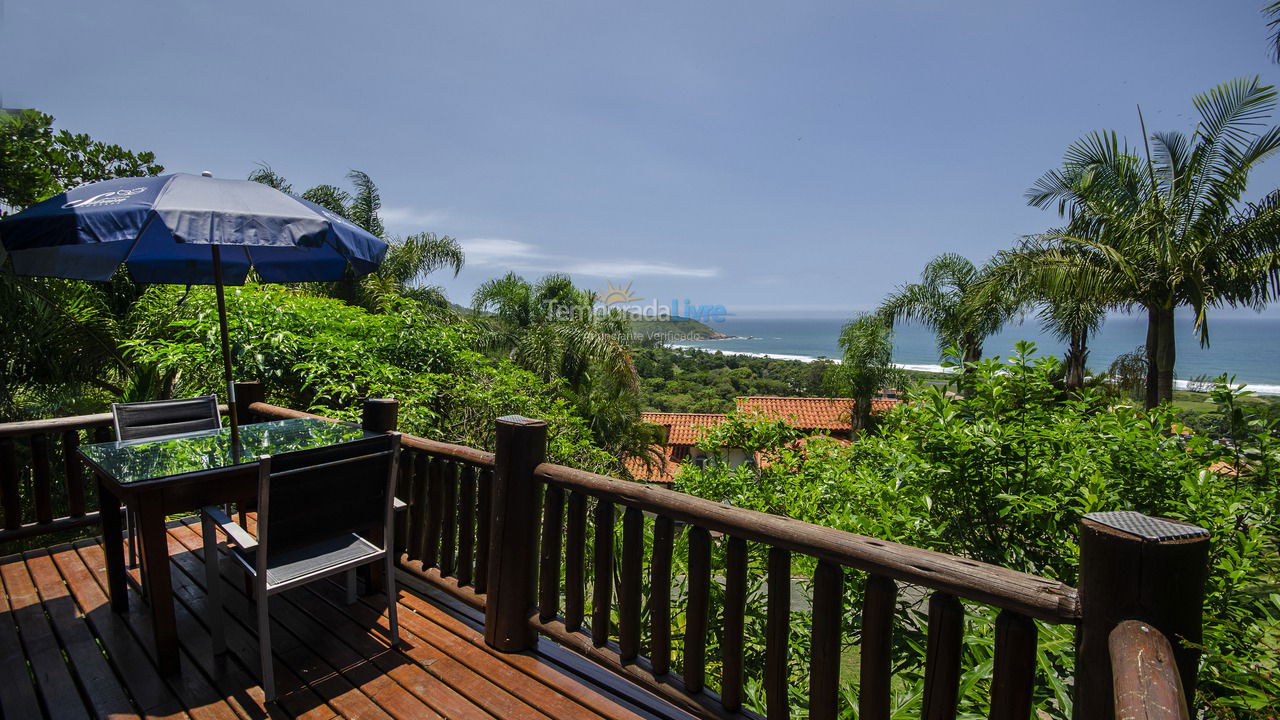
x,y
521,256
487,252
407,219
638,268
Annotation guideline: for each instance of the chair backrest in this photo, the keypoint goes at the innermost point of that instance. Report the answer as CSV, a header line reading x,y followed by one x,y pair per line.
x,y
138,420
311,496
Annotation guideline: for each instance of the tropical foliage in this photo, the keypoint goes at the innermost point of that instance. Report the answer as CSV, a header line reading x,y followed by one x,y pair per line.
x,y
1003,474
957,300
696,381
61,351
554,330
401,277
1164,226
867,365
318,353
37,163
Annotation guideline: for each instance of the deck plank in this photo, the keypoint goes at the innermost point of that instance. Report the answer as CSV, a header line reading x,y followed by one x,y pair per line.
x,y
53,677
236,672
140,678
428,620
295,699
106,697
363,690
64,653
17,693
194,691
479,682
303,686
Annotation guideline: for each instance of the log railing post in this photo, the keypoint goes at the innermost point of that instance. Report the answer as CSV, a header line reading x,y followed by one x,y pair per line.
x,y
513,529
248,393
379,414
1135,567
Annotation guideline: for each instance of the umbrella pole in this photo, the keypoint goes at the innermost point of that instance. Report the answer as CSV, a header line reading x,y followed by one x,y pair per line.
x,y
226,350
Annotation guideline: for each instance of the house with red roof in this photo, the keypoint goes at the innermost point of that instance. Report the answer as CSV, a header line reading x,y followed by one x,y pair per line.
x,y
813,415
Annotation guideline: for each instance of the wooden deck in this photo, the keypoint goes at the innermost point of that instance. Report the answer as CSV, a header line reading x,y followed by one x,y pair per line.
x,y
64,654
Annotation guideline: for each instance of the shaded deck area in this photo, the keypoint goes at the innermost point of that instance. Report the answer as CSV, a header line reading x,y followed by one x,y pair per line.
x,y
64,654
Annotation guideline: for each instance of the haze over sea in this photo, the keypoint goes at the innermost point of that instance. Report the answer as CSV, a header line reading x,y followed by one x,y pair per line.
x,y
1246,347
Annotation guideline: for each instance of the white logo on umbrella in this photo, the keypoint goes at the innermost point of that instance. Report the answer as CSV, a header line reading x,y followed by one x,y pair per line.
x,y
109,198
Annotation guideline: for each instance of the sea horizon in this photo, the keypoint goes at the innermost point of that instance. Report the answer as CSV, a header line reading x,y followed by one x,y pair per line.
x,y
1246,347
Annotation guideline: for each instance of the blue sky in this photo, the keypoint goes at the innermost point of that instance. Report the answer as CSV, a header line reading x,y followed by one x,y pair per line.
x,y
786,158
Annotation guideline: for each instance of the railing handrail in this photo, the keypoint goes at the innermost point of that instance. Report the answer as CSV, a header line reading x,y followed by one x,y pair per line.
x,y
1145,674
1031,595
21,428
461,453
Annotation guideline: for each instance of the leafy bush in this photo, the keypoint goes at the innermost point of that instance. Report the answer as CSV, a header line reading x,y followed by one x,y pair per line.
x,y
322,355
1003,474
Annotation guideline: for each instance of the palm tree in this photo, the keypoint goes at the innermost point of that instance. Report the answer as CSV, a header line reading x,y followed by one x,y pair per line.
x,y
1065,310
957,301
408,261
552,329
867,366
1167,228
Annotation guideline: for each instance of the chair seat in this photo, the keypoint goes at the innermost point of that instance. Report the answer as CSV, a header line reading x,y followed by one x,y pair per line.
x,y
311,559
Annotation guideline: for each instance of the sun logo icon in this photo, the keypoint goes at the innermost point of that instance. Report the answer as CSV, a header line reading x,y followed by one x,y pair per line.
x,y
615,295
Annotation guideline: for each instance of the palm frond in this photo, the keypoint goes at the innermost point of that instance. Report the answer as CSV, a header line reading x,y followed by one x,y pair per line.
x,y
265,175
365,204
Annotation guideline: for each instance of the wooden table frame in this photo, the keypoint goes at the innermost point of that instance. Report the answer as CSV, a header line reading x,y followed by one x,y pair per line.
x,y
153,501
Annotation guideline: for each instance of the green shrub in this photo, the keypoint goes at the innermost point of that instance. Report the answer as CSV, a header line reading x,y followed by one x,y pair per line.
x,y
1003,474
319,354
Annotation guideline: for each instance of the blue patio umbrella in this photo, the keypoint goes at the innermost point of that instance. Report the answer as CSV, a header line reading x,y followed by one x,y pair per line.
x,y
187,230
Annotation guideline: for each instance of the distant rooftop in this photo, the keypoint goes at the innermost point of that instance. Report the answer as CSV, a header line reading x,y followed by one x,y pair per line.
x,y
827,416
809,413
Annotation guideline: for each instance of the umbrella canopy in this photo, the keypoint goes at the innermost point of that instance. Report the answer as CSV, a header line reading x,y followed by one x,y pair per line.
x,y
160,228
187,230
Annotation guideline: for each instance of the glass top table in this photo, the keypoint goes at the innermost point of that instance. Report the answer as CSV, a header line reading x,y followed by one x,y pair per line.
x,y
134,461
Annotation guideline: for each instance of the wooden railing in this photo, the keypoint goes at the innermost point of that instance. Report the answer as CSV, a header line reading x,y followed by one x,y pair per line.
x,y
44,486
1147,684
32,454
548,550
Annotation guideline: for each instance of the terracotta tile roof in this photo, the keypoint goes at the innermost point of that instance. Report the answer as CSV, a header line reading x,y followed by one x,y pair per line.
x,y
1223,467
683,428
663,472
809,413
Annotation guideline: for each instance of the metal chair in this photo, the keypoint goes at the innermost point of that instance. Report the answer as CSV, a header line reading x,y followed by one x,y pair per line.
x,y
312,508
141,420
135,421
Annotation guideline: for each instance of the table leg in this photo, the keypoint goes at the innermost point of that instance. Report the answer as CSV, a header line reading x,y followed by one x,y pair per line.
x,y
155,564
113,547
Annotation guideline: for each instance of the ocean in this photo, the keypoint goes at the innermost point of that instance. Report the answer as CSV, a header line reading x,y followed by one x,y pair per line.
x,y
1249,348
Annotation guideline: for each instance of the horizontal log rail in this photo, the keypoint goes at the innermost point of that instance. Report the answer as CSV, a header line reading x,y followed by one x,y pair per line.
x,y
1147,684
443,450
57,425
24,428
44,486
1037,597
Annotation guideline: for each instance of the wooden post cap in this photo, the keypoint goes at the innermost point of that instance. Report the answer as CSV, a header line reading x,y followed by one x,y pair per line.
x,y
379,414
1146,527
520,420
